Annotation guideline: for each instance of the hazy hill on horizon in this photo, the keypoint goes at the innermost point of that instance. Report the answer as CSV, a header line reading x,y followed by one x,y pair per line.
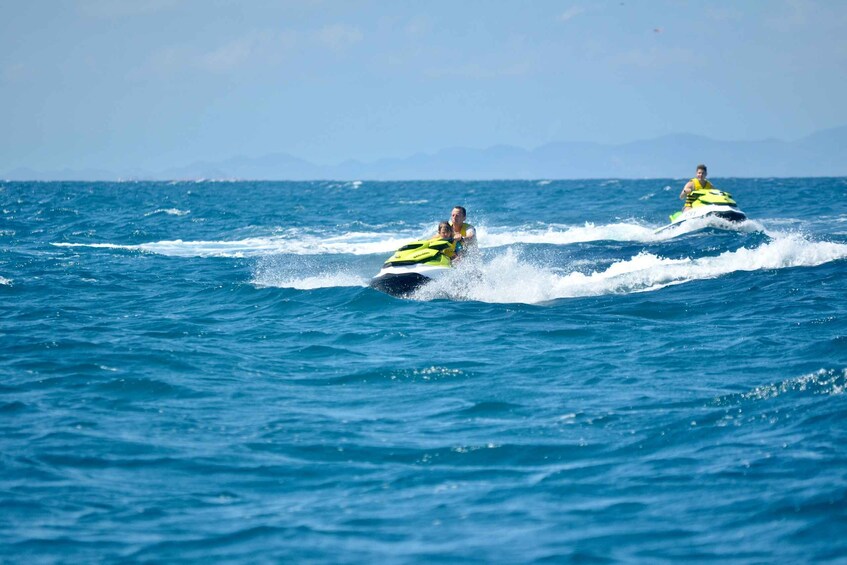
x,y
823,153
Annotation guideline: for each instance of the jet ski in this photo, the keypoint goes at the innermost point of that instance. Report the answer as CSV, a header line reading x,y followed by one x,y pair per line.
x,y
412,266
710,203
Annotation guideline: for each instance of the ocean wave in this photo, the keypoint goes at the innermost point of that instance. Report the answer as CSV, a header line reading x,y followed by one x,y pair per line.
x,y
823,382
798,401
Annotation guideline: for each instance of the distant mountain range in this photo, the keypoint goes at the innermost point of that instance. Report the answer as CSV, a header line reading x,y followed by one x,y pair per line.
x,y
821,154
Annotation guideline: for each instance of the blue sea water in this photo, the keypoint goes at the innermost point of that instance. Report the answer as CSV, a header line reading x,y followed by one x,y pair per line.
x,y
198,371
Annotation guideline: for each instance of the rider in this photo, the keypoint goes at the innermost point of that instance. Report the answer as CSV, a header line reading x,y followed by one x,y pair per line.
x,y
464,235
697,183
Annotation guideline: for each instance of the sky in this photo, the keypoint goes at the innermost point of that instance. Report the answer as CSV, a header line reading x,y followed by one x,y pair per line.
x,y
154,84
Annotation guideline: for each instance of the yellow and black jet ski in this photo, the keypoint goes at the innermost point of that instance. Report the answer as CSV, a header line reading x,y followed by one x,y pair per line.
x,y
414,265
707,203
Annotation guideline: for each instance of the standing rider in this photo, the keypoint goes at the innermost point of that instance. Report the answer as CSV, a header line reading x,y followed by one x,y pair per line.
x,y
697,183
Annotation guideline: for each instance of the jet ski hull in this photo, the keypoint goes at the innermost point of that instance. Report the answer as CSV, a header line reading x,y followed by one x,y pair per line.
x,y
734,215
399,284
404,280
704,210
728,213
412,266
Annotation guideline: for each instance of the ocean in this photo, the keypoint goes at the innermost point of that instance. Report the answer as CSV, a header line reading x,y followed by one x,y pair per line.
x,y
198,371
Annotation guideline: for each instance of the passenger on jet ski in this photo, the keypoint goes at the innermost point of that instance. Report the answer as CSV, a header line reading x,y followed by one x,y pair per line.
x,y
445,232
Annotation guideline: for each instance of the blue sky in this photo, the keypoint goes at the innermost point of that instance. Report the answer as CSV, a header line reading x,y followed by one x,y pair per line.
x,y
119,84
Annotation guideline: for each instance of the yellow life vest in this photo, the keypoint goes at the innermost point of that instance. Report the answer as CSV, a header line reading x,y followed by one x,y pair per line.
x,y
697,186
463,231
449,250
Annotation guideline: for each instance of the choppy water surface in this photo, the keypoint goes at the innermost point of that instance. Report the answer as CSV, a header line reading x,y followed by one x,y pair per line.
x,y
194,371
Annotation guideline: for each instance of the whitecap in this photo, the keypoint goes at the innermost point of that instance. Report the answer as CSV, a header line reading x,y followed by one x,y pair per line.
x,y
169,212
825,382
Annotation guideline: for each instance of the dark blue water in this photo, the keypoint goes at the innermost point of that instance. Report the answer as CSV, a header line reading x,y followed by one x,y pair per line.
x,y
196,371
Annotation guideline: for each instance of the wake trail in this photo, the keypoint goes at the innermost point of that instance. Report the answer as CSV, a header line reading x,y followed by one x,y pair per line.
x,y
352,244
508,279
368,243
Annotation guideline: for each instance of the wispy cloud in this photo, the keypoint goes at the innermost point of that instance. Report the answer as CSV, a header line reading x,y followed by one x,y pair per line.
x,y
478,71
339,36
418,27
227,57
570,13
803,16
13,73
723,13
254,50
653,58
789,15
110,9
248,50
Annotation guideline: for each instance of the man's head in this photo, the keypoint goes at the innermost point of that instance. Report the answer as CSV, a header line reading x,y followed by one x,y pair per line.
x,y
458,215
701,171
